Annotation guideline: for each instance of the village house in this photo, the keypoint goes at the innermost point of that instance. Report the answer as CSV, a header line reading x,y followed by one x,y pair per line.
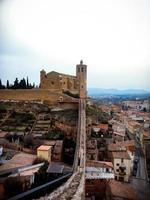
x,y
128,146
122,165
27,174
132,128
97,173
57,151
44,152
92,151
138,105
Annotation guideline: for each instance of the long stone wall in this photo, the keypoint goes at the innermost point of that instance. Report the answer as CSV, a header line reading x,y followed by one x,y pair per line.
x,y
49,96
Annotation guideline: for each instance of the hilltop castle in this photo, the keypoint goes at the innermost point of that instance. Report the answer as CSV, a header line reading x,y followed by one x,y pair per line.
x,y
64,82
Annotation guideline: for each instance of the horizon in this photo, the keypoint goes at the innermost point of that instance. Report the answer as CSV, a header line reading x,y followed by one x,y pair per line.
x,y
112,38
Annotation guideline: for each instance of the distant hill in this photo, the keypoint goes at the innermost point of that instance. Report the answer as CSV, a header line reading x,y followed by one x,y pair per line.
x,y
101,91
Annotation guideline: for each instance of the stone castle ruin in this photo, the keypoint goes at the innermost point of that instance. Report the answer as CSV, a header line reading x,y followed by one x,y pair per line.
x,y
53,86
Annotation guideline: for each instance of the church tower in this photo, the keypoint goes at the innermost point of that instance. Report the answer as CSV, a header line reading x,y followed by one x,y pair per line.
x,y
81,73
42,79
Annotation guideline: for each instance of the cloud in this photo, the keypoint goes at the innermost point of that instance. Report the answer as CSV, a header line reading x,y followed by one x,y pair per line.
x,y
112,37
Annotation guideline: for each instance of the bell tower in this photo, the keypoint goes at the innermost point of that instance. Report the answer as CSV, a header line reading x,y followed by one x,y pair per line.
x,y
42,78
81,73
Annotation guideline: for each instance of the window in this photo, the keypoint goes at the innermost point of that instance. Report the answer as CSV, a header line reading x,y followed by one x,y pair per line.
x,y
78,69
107,170
82,69
117,170
117,164
122,160
52,82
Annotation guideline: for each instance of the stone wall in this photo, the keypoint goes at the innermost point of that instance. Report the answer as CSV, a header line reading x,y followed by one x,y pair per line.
x,y
55,80
49,96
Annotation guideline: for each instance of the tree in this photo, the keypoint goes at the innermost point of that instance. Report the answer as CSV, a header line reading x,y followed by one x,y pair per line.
x,y
16,84
28,141
7,85
0,84
41,175
27,82
22,84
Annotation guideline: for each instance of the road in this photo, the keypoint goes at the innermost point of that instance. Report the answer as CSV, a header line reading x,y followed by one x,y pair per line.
x,y
141,170
140,182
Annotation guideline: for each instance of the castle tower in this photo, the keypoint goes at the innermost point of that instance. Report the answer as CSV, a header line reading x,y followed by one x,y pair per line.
x,y
81,73
42,78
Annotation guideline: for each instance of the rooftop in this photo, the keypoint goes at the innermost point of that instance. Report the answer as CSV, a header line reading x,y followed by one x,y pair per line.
x,y
121,154
21,159
122,190
55,168
101,126
93,163
119,146
44,148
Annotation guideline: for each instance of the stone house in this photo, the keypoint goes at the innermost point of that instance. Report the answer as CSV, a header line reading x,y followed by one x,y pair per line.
x,y
92,151
44,152
97,174
122,165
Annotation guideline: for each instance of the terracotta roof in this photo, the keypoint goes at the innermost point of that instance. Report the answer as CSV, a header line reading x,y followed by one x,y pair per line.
x,y
123,190
119,146
102,126
146,134
118,133
21,159
44,148
126,143
93,163
3,134
121,154
116,147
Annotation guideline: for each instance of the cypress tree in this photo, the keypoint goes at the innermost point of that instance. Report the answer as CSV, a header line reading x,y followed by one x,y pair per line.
x,y
0,84
27,82
7,85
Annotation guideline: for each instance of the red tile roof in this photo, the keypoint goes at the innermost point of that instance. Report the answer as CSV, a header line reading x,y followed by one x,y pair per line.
x,y
121,154
44,148
119,146
93,163
122,190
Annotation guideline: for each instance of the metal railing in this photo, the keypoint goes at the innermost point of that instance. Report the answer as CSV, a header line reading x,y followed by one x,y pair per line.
x,y
42,189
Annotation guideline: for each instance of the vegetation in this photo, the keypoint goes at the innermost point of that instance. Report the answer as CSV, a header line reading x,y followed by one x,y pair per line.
x,y
93,110
41,176
71,94
68,116
55,134
22,84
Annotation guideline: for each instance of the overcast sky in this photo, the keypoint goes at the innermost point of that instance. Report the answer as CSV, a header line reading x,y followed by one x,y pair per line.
x,y
111,36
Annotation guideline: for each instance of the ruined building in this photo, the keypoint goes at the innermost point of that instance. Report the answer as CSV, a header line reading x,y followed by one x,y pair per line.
x,y
64,82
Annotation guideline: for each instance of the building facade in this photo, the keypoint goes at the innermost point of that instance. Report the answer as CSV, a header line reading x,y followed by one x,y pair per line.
x,y
64,82
44,152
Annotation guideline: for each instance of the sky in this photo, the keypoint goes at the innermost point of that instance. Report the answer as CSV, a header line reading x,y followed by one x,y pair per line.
x,y
111,36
